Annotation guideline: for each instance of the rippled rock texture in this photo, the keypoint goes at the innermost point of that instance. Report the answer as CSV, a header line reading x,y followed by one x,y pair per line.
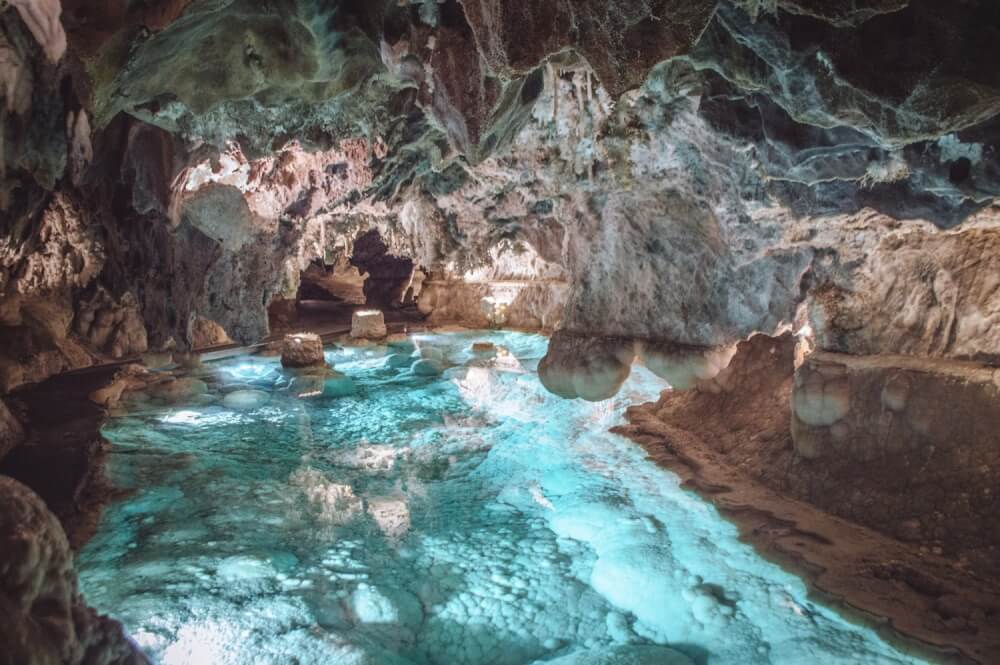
x,y
690,173
45,619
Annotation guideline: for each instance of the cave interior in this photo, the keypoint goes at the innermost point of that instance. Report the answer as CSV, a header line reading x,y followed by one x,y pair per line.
x,y
694,304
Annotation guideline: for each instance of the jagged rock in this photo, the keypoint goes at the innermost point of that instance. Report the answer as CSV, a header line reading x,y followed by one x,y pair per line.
x,y
204,333
116,328
921,293
45,618
342,281
302,350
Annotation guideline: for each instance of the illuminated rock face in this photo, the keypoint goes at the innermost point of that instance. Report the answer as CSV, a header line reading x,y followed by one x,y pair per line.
x,y
368,324
513,167
302,350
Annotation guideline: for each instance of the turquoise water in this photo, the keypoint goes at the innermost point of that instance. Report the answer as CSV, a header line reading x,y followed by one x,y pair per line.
x,y
457,519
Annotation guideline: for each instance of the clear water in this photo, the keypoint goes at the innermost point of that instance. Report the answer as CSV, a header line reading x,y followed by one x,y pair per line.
x,y
461,519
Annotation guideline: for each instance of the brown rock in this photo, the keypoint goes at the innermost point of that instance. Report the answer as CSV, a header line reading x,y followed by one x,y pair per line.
x,y
45,618
302,350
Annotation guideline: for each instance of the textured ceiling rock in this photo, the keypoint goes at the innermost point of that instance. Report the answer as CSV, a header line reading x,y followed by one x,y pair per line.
x,y
43,18
45,620
11,431
905,76
689,173
620,40
843,14
922,293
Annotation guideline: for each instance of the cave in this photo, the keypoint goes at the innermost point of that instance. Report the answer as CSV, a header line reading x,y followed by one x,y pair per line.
x,y
422,332
369,277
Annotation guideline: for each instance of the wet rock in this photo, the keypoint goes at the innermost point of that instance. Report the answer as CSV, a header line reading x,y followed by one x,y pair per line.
x,y
483,347
46,620
246,400
368,324
302,350
427,367
176,391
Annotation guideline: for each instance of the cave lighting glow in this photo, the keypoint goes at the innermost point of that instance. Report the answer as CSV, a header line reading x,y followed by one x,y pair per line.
x,y
465,518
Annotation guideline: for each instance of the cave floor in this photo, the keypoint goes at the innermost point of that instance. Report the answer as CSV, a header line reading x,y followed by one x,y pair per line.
x,y
469,517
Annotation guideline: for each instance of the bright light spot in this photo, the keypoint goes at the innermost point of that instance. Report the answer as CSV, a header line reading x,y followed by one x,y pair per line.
x,y
182,418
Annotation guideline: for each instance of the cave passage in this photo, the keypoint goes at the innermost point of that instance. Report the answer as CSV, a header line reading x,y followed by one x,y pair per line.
x,y
369,278
403,518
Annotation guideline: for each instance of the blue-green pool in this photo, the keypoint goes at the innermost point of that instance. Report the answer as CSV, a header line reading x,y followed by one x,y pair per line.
x,y
457,519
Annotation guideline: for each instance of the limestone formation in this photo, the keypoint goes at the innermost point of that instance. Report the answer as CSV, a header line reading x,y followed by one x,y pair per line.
x,y
45,620
302,350
588,368
368,324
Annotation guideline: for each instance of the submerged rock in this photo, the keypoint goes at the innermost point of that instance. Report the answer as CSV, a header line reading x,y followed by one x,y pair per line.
x,y
399,360
338,385
302,350
246,400
427,367
624,655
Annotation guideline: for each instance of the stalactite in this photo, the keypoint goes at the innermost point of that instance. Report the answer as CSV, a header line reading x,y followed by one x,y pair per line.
x,y
43,19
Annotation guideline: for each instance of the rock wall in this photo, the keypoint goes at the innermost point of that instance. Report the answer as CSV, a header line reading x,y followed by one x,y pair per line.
x,y
751,163
45,619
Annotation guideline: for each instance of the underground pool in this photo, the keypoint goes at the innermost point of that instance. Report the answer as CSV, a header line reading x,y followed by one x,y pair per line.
x,y
457,518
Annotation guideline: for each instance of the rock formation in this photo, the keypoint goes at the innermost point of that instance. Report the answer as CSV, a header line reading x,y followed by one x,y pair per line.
x,y
45,620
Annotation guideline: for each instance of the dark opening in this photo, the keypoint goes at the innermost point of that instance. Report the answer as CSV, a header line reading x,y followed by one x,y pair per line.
x,y
388,275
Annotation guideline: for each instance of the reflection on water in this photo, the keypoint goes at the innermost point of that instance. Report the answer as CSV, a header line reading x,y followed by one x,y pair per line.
x,y
465,518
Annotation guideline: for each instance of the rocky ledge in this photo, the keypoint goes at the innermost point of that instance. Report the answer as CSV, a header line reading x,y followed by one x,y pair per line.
x,y
873,477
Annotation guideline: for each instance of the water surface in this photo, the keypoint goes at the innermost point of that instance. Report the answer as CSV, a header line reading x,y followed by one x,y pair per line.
x,y
457,519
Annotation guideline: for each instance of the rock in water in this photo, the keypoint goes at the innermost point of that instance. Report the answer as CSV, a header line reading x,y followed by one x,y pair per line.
x,y
399,360
427,367
368,324
246,400
339,385
45,620
302,350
